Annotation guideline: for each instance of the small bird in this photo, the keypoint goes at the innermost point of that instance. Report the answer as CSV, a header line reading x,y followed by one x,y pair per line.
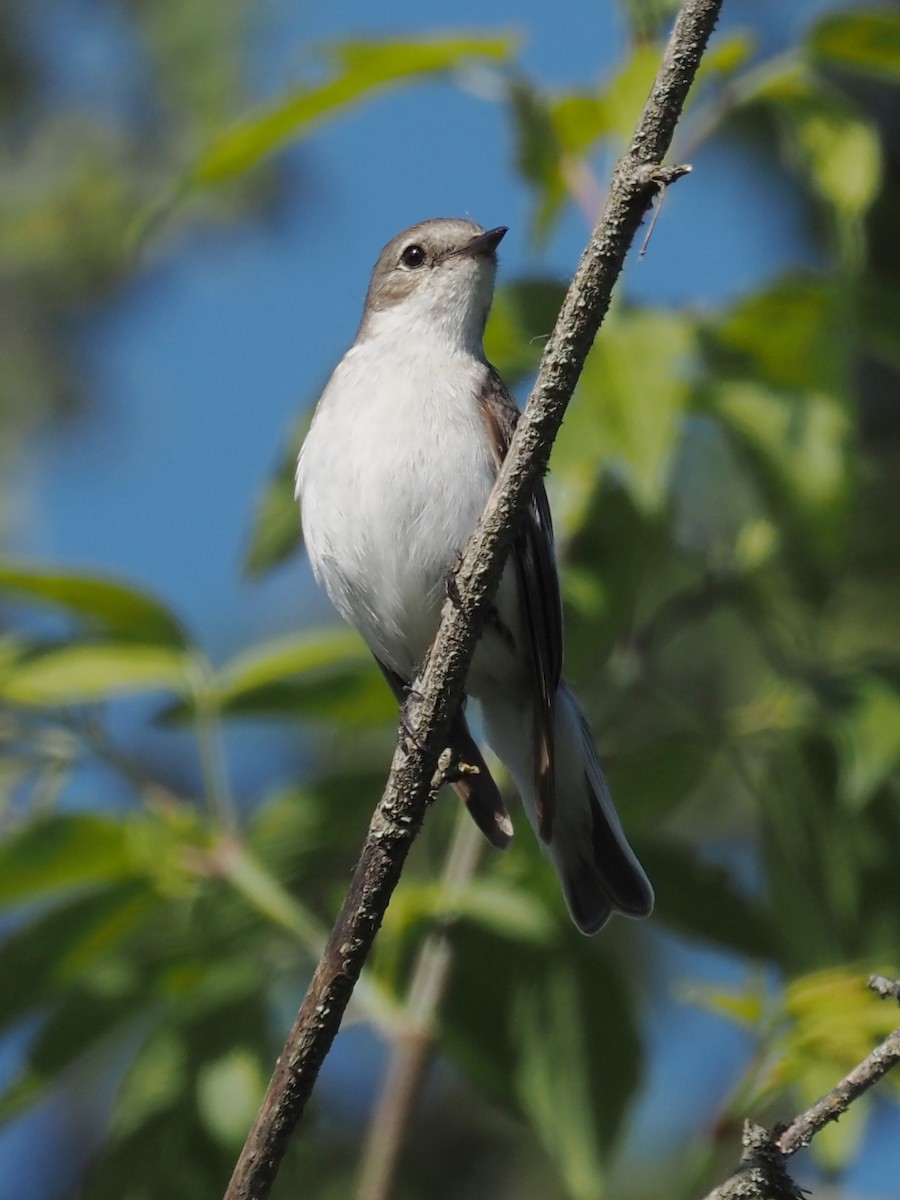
x,y
403,450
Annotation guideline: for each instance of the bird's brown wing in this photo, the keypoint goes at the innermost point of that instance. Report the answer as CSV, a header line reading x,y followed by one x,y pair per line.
x,y
476,788
535,564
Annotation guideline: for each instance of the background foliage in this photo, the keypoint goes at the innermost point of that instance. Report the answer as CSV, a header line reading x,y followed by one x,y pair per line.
x,y
725,491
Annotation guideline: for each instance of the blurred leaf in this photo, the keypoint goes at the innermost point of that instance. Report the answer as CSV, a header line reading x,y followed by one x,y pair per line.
x,y
492,903
286,657
537,154
357,69
879,328
792,331
115,609
553,132
745,1007
864,41
650,780
522,318
229,1091
60,946
80,674
544,1030
833,1020
275,532
62,852
870,735
799,445
582,118
726,55
826,139
699,900
156,1078
82,1021
324,675
627,412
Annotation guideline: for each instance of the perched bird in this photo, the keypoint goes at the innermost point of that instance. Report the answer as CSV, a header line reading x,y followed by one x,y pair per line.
x,y
403,450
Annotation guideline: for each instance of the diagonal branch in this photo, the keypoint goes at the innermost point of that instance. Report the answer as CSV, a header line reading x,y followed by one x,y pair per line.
x,y
637,178
762,1174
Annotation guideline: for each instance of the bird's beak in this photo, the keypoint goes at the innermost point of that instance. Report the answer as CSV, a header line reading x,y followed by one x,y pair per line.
x,y
484,244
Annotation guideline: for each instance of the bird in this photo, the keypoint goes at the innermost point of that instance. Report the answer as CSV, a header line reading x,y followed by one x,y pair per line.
x,y
402,452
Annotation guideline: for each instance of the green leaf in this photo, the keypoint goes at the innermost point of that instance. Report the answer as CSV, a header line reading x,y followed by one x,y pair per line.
x,y
63,852
650,780
878,326
544,1030
494,903
870,737
582,118
287,657
228,1094
799,447
627,413
826,139
726,55
697,899
82,673
522,318
61,946
325,675
867,42
115,609
275,531
792,332
537,154
82,1021
357,69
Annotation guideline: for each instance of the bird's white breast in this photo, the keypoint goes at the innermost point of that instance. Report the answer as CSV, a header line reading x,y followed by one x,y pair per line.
x,y
392,479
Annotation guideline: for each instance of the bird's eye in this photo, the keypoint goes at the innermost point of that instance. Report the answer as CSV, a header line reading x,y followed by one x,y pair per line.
x,y
413,256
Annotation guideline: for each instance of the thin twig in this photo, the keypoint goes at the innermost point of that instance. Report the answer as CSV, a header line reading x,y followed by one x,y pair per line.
x,y
434,702
414,1039
762,1174
804,1127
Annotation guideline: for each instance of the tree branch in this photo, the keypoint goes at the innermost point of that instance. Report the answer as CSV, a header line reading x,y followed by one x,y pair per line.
x,y
411,785
762,1174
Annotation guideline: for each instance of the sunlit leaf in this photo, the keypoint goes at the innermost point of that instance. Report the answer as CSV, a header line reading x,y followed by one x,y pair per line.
x,y
156,1078
799,444
867,42
63,852
626,415
357,69
790,331
228,1094
725,55
826,139
327,675
118,610
870,733
745,1007
490,902
295,654
83,673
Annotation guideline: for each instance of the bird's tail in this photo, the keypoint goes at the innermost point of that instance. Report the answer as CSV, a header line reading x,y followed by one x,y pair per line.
x,y
597,868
